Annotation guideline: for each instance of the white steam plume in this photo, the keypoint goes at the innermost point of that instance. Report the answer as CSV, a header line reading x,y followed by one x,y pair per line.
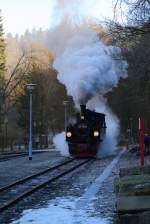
x,y
74,10
60,144
109,144
86,66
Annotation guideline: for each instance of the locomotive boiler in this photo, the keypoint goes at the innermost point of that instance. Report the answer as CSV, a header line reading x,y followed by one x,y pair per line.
x,y
86,133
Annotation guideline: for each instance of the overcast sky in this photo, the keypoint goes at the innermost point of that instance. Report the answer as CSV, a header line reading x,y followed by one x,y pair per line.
x,y
18,15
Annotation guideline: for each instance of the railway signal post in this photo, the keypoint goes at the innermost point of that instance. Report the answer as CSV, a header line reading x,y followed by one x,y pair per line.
x,y
30,88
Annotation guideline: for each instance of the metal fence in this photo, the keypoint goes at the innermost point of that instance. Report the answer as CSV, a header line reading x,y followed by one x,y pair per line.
x,y
11,144
6,143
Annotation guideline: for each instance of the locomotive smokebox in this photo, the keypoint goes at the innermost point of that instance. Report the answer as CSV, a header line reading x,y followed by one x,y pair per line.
x,y
83,111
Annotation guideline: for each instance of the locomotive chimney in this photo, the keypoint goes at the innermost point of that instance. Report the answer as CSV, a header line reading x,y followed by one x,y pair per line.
x,y
83,111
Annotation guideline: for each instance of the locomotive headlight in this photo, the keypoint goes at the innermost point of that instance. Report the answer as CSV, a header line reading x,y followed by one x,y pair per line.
x,y
96,133
69,134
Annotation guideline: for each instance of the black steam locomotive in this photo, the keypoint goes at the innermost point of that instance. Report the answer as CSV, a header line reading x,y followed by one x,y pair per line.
x,y
85,135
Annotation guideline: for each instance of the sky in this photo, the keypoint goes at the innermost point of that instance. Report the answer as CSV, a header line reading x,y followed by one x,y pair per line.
x,y
19,15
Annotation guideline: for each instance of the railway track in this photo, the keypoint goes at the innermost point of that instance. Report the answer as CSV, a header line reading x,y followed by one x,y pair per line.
x,y
13,193
8,156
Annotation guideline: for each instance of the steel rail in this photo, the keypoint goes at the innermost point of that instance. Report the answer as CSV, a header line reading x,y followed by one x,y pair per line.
x,y
20,181
6,157
12,202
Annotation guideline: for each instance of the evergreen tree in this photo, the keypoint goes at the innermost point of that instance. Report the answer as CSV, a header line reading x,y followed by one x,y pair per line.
x,y
2,70
2,50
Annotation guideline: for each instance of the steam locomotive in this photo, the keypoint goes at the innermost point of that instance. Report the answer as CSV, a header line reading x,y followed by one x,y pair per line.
x,y
84,136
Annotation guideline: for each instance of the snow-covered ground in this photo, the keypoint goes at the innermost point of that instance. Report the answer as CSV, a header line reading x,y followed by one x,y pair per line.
x,y
71,210
60,211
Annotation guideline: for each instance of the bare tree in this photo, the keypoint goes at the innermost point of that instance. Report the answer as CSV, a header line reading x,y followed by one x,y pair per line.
x,y
136,21
131,98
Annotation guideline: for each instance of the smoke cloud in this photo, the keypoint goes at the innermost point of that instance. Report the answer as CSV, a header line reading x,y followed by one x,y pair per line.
x,y
109,143
86,66
75,11
60,144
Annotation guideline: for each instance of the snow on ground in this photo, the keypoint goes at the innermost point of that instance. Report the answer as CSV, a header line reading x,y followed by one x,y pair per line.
x,y
59,211
71,210
94,188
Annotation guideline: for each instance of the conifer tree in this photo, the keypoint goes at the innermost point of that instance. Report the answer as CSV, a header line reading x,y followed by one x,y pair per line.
x,y
2,70
2,49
